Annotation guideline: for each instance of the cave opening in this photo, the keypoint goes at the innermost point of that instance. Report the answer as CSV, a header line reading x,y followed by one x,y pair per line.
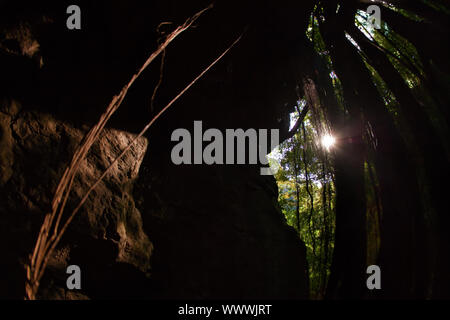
x,y
360,98
359,117
307,195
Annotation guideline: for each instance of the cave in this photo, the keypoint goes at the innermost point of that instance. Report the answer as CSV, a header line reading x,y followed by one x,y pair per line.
x,y
89,103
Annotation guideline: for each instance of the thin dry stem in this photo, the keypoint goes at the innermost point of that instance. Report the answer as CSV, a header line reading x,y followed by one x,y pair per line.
x,y
124,151
45,246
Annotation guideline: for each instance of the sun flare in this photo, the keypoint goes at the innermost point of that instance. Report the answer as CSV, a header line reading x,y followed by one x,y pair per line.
x,y
328,141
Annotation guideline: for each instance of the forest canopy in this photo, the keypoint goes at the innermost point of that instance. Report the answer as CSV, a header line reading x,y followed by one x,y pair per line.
x,y
361,180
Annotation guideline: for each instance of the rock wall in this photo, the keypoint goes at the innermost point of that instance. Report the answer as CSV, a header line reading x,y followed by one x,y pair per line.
x,y
35,151
151,229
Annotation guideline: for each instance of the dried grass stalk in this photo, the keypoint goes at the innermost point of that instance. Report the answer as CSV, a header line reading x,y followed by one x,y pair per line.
x,y
50,234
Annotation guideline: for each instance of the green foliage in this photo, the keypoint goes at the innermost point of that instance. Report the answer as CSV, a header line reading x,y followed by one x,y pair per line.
x,y
305,176
305,180
407,61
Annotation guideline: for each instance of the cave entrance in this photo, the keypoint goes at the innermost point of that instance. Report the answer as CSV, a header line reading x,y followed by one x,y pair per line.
x,y
306,194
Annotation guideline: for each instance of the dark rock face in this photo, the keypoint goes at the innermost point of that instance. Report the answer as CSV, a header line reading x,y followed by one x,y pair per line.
x,y
35,151
151,229
219,233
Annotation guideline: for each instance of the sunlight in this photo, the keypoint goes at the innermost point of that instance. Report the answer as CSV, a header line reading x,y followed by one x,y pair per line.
x,y
328,141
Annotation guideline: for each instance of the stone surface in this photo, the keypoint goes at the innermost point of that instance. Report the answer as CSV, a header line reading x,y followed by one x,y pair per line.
x,y
219,234
153,230
35,150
